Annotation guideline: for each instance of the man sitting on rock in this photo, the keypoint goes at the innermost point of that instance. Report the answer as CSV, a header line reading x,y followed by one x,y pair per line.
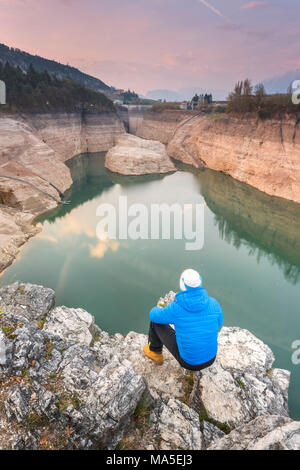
x,y
197,319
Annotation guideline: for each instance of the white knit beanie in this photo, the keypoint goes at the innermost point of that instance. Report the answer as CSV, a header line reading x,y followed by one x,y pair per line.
x,y
190,278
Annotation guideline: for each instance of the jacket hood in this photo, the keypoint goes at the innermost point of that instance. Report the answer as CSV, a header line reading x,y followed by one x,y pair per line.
x,y
193,300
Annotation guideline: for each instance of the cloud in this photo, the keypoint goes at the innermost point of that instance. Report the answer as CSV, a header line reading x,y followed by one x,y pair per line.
x,y
178,60
102,247
250,5
48,238
212,8
251,33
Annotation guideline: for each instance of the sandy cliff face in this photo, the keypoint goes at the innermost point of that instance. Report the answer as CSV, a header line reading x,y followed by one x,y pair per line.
x,y
34,148
264,154
155,125
15,229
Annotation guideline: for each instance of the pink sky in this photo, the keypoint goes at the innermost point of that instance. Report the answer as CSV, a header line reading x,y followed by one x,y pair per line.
x,y
150,44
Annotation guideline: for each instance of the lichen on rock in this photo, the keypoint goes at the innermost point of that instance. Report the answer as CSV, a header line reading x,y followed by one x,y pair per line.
x,y
237,387
271,432
66,384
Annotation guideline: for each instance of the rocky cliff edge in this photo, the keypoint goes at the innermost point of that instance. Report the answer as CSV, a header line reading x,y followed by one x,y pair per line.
x,y
66,384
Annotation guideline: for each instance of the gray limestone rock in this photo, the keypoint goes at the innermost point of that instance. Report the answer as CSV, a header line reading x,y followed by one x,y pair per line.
x,y
67,384
240,385
31,301
74,325
264,433
177,426
210,434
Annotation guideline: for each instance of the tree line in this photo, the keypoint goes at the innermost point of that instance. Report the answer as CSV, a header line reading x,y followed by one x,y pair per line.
x,y
130,97
16,58
248,99
33,90
204,99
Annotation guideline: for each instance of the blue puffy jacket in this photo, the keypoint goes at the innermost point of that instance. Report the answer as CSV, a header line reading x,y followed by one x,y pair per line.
x,y
197,319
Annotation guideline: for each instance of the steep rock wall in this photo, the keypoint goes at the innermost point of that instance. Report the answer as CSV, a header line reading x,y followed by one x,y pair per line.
x,y
155,125
34,148
264,154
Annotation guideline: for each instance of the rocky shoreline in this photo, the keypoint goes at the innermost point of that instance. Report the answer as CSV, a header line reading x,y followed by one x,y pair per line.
x,y
35,147
66,384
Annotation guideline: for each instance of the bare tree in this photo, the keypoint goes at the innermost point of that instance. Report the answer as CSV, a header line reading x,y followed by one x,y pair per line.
x,y
260,90
247,87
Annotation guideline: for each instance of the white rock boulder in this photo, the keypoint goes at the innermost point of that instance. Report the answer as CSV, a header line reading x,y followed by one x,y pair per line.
x,y
74,325
241,385
178,427
263,433
163,381
135,156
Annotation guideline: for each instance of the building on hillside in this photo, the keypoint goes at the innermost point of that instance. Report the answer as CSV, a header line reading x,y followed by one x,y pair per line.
x,y
119,92
184,105
195,102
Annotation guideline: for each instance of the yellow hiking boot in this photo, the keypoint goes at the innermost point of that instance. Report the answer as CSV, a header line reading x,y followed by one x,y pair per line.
x,y
157,358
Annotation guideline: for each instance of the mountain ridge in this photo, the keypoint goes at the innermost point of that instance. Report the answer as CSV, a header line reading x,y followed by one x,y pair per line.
x,y
22,59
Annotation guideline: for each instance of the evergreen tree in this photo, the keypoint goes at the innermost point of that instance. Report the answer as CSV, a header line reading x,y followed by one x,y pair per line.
x,y
40,91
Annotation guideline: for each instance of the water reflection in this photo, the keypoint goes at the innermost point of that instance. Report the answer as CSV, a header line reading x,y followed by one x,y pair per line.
x,y
267,226
246,232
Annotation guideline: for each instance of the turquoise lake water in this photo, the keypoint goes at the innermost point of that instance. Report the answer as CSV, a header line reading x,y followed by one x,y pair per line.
x,y
250,260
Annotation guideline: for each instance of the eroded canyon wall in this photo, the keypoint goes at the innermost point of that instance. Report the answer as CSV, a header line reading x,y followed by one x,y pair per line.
x,y
155,125
34,148
263,154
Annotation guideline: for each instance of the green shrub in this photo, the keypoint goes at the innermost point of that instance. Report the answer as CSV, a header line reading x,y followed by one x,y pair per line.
x,y
203,416
159,107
